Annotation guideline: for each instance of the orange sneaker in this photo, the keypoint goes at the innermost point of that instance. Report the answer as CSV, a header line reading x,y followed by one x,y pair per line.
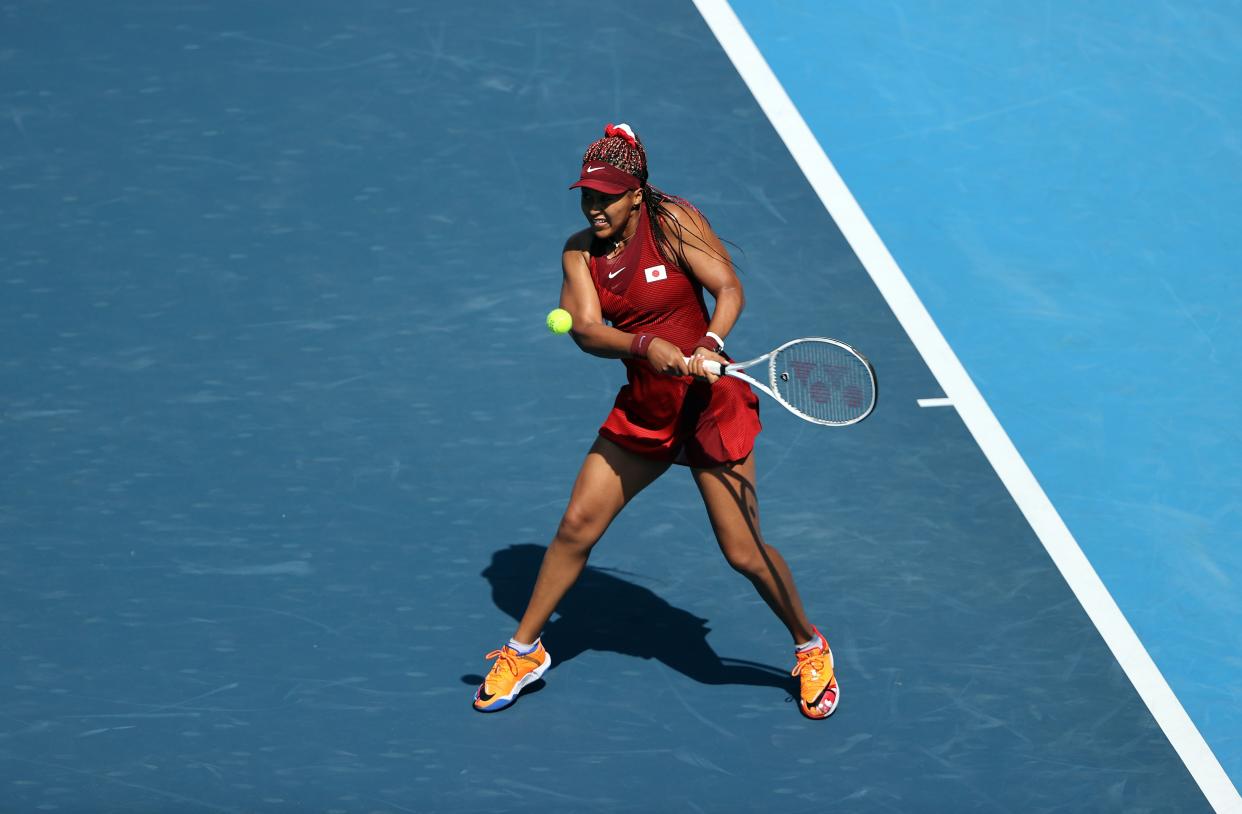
x,y
819,683
509,674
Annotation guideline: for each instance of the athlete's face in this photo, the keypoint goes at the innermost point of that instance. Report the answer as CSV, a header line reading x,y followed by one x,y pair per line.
x,y
609,215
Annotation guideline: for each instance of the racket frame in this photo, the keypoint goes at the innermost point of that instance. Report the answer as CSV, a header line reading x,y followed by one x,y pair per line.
x,y
735,369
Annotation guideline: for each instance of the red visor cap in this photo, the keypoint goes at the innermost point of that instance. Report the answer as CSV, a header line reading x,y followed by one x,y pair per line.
x,y
606,178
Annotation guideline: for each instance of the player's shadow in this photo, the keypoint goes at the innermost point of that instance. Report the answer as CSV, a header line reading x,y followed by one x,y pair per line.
x,y
605,612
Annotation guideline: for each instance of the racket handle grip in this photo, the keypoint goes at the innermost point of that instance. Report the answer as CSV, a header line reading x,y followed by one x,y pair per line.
x,y
710,365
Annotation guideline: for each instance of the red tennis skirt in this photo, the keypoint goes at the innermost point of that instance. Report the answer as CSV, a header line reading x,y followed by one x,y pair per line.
x,y
683,420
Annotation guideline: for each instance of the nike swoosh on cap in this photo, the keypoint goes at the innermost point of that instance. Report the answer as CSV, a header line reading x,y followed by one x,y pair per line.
x,y
593,169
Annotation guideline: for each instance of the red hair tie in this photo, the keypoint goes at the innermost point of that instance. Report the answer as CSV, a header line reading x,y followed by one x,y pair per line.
x,y
623,130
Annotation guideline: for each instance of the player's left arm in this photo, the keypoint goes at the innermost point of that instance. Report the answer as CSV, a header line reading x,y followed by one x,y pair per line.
x,y
704,257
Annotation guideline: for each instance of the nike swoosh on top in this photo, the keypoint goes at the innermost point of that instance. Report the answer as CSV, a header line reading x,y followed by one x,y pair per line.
x,y
615,273
593,169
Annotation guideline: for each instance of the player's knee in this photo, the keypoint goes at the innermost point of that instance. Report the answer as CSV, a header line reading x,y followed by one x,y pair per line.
x,y
746,558
578,529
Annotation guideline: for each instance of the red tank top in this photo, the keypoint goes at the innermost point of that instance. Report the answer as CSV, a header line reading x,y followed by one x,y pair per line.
x,y
641,292
671,418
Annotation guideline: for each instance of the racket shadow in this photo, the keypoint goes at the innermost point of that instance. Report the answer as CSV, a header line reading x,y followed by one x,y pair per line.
x,y
605,612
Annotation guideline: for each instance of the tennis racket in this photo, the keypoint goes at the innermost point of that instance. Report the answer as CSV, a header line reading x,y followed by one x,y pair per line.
x,y
820,380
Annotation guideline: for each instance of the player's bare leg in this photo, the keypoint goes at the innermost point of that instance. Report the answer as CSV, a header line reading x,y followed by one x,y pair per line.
x,y
733,507
609,478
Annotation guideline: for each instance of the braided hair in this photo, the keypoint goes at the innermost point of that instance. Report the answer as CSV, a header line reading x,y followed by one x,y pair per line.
x,y
622,148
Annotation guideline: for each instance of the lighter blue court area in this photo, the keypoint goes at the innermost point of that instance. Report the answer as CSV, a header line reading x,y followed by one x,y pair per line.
x,y
285,437
1061,183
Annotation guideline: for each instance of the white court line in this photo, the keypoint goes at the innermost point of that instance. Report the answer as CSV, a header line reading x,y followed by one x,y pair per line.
x,y
935,402
960,389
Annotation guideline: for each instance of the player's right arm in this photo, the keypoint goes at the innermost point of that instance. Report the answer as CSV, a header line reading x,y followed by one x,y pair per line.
x,y
590,331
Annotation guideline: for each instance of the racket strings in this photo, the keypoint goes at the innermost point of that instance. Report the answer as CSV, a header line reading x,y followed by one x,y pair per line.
x,y
823,381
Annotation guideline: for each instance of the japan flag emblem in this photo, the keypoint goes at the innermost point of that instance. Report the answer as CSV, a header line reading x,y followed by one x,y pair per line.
x,y
656,273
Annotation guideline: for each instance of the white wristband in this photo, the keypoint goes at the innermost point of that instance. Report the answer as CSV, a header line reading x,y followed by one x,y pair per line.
x,y
716,336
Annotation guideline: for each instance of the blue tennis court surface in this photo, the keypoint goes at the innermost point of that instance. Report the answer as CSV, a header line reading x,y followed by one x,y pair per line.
x,y
1075,174
286,438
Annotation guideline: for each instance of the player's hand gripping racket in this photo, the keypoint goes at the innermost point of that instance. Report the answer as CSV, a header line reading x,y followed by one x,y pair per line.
x,y
821,380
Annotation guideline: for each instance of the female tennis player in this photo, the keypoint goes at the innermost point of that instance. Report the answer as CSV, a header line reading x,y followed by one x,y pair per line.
x,y
634,281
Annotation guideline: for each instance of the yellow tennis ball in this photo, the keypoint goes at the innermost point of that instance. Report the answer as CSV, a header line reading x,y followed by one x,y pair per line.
x,y
559,321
